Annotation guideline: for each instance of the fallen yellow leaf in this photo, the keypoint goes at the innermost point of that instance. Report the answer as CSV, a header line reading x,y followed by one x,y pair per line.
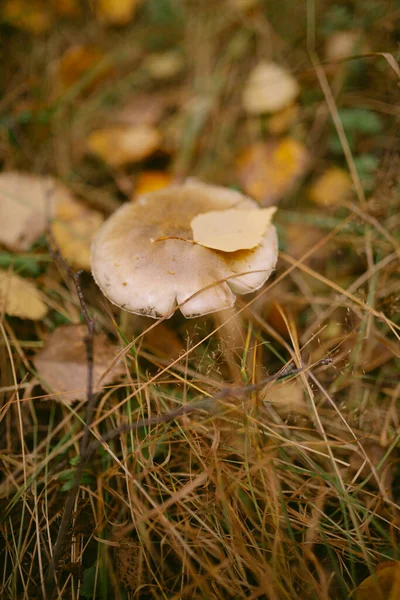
x,y
66,8
164,65
150,181
79,60
118,146
20,298
116,12
32,16
383,585
269,88
331,188
62,364
74,226
232,229
268,171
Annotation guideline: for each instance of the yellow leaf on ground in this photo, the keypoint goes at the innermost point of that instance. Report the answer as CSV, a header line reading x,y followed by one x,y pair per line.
x,y
383,585
119,146
164,65
150,181
33,16
116,12
268,171
78,61
232,229
20,298
282,120
74,226
269,88
331,188
66,8
62,364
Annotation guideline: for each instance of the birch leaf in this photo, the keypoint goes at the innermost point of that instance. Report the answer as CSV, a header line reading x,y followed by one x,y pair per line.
x,y
231,230
20,298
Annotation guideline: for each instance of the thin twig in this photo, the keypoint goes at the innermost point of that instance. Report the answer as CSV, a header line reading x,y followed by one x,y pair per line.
x,y
58,548
206,404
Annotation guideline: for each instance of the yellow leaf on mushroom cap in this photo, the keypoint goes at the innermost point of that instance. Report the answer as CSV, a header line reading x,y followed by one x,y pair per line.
x,y
20,298
231,230
144,259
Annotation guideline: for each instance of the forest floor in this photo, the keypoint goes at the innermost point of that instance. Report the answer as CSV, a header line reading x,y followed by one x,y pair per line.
x,y
282,488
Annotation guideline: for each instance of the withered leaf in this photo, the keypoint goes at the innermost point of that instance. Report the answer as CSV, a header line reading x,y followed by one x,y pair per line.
x,y
62,363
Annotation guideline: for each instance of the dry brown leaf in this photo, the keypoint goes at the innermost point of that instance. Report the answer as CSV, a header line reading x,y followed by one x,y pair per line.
x,y
331,188
268,171
74,226
383,585
116,12
118,146
150,181
286,397
79,60
26,202
231,230
62,363
269,88
33,16
20,298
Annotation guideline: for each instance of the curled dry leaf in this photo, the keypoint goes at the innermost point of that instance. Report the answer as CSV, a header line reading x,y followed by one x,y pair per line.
x,y
33,16
231,230
268,171
269,88
20,298
331,188
118,146
62,364
116,12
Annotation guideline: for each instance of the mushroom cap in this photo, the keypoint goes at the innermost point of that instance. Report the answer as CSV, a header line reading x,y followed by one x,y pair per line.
x,y
145,261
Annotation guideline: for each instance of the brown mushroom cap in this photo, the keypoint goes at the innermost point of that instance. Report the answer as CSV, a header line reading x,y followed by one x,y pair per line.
x,y
145,261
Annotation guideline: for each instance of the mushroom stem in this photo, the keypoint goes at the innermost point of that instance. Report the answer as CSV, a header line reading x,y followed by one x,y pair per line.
x,y
128,323
230,332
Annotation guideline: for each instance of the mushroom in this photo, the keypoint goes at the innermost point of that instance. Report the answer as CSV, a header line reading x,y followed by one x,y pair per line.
x,y
144,258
